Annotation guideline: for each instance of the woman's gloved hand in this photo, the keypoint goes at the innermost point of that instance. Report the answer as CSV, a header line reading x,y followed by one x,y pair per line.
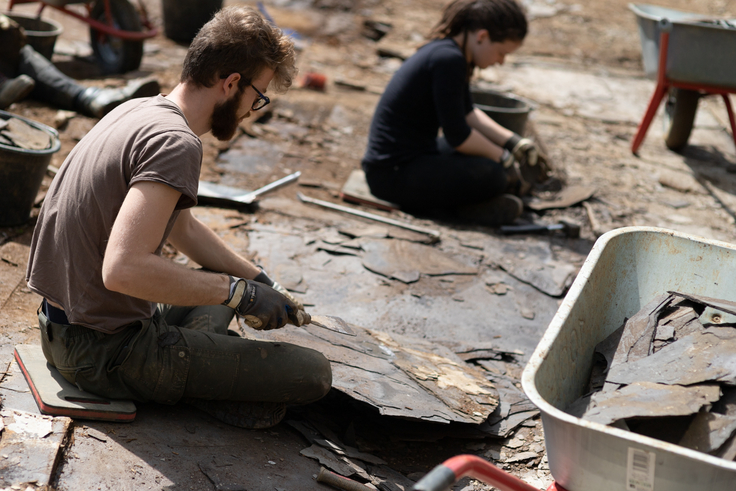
x,y
266,280
262,307
515,182
524,150
507,159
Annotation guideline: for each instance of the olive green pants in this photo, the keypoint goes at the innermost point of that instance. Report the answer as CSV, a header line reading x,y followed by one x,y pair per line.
x,y
184,352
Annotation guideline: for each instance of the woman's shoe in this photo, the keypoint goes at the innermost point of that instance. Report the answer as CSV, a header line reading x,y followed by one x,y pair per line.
x,y
501,210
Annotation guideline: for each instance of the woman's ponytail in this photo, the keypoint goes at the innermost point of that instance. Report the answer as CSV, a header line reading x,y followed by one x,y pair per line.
x,y
503,19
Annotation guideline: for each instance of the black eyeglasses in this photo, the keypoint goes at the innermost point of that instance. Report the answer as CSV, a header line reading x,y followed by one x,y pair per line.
x,y
261,102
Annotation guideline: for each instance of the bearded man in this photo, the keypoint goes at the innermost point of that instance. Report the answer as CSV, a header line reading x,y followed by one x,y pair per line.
x,y
117,318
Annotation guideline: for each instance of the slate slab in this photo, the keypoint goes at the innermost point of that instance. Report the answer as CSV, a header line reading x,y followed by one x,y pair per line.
x,y
406,261
29,447
25,136
646,399
398,375
708,432
699,357
635,328
531,261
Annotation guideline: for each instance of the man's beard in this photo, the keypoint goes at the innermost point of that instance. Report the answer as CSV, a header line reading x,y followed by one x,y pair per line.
x,y
225,118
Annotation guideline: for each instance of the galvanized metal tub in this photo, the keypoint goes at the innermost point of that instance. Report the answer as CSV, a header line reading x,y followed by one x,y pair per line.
x,y
626,268
698,52
21,174
508,110
41,34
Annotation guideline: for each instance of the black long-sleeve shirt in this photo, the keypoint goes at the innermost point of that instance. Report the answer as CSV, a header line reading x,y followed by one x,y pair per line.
x,y
430,91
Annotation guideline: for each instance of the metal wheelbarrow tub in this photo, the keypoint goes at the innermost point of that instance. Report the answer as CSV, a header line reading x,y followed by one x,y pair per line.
x,y
625,269
700,48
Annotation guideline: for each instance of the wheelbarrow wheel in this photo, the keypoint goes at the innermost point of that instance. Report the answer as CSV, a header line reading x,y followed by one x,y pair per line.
x,y
679,117
114,54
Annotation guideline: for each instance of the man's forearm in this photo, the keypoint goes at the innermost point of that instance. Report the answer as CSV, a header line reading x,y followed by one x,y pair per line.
x,y
160,280
203,246
132,267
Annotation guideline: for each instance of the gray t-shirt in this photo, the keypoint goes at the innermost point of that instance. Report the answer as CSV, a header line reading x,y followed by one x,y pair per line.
x,y
142,140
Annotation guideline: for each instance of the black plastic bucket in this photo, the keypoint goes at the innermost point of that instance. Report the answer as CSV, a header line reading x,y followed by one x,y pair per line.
x,y
41,34
21,174
184,18
507,110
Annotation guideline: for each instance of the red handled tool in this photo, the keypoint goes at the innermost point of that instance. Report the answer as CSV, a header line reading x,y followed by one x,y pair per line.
x,y
452,470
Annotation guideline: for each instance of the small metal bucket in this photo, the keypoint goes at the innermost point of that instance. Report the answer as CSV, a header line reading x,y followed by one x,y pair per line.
x,y
21,174
41,34
507,110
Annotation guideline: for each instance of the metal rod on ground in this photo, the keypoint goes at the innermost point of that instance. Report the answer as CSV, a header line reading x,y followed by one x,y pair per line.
x,y
250,197
340,482
595,227
326,204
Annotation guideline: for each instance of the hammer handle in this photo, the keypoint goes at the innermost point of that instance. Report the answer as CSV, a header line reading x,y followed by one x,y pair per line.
x,y
339,482
525,229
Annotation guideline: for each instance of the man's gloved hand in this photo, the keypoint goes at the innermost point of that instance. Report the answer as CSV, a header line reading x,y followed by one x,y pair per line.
x,y
266,280
262,307
524,150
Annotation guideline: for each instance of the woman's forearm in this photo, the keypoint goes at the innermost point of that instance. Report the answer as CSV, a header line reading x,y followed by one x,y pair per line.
x,y
487,127
477,144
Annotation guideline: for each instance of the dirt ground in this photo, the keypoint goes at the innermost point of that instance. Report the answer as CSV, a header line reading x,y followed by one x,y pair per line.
x,y
325,136
580,66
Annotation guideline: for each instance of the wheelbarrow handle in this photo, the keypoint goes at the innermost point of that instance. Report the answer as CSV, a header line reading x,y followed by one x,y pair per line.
x,y
452,470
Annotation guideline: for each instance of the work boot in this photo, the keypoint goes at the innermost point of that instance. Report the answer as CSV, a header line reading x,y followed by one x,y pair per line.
x,y
244,414
15,89
96,102
501,210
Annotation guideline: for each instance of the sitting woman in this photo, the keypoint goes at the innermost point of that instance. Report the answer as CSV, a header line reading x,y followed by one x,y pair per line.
x,y
469,169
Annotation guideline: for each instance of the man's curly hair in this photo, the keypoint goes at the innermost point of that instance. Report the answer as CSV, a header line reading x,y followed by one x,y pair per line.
x,y
239,40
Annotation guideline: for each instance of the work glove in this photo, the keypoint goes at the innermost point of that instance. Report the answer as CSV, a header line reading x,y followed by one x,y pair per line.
x,y
524,150
267,280
538,173
262,307
507,159
515,182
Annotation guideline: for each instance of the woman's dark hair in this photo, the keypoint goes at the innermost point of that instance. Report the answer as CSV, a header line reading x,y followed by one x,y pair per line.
x,y
503,19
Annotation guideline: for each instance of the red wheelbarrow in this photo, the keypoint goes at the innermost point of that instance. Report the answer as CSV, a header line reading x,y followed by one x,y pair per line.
x,y
690,56
445,475
452,470
116,29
